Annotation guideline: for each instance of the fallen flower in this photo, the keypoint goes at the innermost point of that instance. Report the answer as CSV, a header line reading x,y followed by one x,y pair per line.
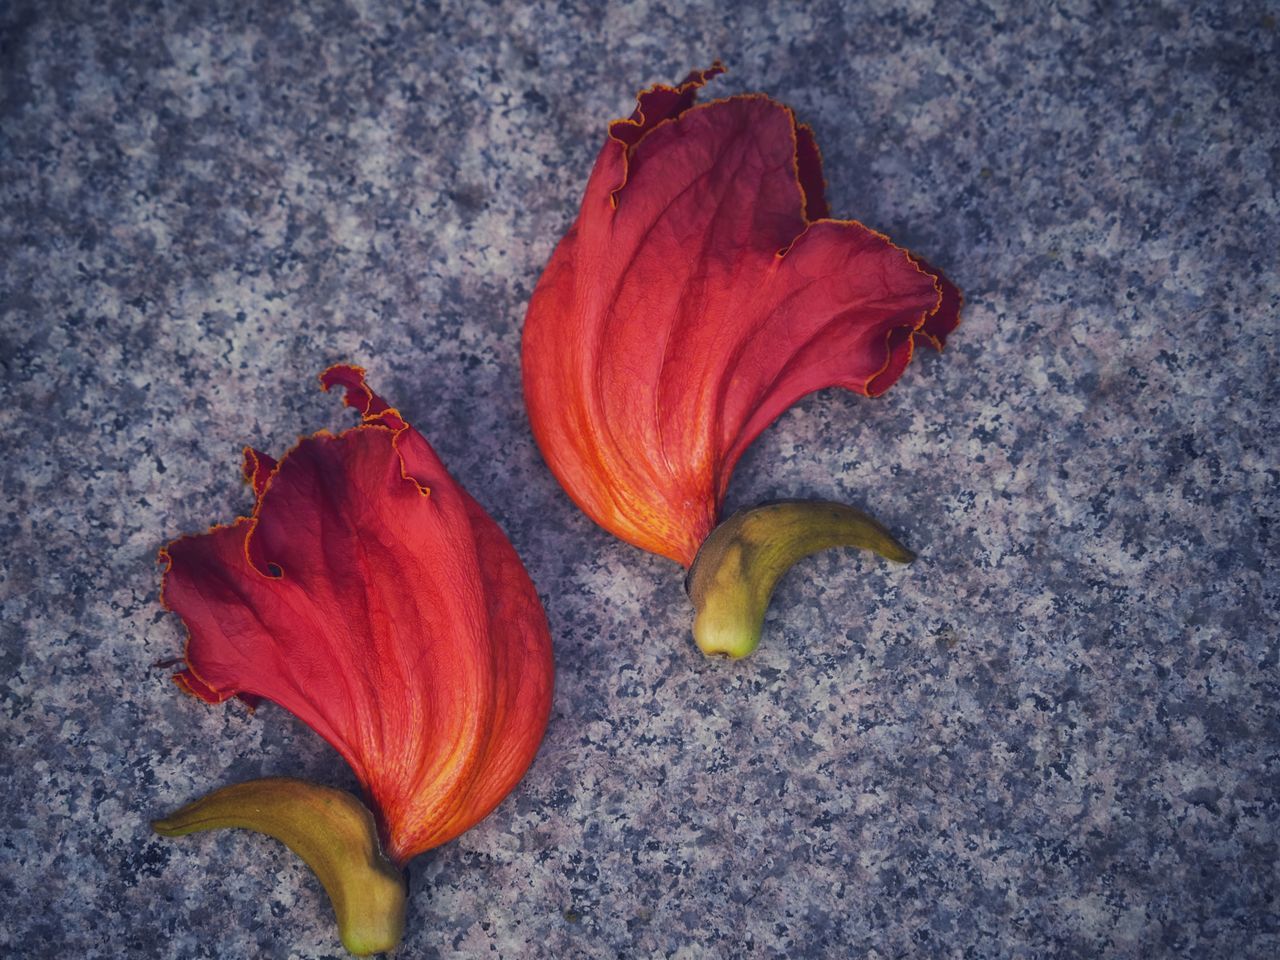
x,y
374,599
701,292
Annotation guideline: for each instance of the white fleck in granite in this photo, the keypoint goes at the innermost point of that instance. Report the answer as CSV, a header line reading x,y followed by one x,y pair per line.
x,y
1054,736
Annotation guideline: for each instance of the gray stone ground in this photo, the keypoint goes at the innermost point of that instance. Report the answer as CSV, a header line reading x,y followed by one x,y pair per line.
x,y
1055,736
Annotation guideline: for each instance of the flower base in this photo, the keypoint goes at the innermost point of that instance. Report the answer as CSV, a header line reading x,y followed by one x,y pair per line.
x,y
739,564
332,831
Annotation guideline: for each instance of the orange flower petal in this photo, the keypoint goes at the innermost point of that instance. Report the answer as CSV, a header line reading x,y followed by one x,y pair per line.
x,y
699,294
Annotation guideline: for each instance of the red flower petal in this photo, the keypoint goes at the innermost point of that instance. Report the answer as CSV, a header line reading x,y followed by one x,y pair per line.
x,y
374,599
698,295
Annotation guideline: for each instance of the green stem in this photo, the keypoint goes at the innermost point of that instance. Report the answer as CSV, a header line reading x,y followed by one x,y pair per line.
x,y
332,831
740,563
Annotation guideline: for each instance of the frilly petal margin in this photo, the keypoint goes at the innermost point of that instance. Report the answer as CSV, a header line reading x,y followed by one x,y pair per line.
x,y
372,597
701,292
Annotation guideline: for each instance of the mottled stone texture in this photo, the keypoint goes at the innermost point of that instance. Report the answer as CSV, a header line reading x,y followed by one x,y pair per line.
x,y
1055,735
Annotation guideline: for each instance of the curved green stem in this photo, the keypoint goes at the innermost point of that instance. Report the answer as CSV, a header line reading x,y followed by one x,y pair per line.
x,y
738,565
332,831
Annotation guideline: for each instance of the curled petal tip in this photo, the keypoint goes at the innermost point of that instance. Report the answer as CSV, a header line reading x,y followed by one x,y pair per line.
x,y
257,468
660,102
357,393
343,374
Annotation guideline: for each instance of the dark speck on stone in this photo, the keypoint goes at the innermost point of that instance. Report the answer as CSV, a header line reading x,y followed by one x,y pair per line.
x,y
1054,735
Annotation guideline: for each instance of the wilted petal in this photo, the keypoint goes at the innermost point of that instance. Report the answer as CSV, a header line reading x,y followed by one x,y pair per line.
x,y
698,296
374,599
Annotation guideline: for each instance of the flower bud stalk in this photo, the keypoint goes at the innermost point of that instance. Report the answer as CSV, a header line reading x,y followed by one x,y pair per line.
x,y
740,563
329,829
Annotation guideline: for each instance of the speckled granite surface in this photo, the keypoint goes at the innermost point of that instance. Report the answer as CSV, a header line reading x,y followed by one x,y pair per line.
x,y
1055,735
